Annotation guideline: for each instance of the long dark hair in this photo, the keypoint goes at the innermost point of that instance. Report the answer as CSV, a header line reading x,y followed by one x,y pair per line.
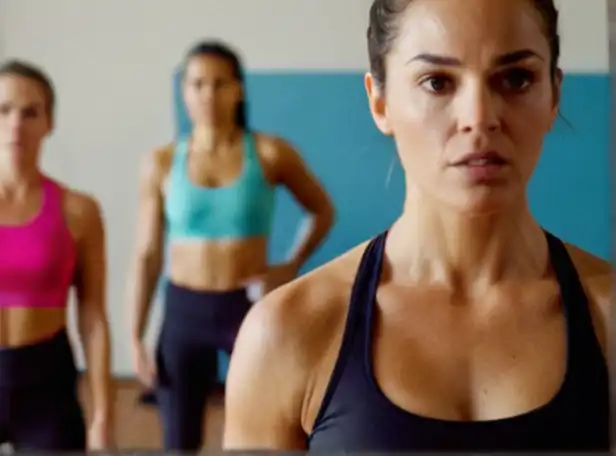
x,y
220,49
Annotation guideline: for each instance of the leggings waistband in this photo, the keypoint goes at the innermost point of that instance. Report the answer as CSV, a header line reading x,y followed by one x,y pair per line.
x,y
202,309
49,363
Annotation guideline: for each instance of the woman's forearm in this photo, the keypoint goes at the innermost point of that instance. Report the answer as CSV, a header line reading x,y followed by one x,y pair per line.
x,y
313,230
146,274
95,337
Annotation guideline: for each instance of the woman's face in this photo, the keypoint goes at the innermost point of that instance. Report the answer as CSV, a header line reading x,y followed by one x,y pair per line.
x,y
211,90
24,119
469,98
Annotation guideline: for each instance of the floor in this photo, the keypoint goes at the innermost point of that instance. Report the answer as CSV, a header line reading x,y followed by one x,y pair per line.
x,y
137,426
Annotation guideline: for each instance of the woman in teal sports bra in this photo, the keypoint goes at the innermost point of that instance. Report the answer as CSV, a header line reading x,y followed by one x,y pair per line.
x,y
212,194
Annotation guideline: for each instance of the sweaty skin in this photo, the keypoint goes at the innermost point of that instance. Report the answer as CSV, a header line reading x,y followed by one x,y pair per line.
x,y
295,334
468,320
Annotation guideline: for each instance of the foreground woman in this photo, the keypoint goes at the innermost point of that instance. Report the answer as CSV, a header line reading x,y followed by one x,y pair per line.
x,y
466,326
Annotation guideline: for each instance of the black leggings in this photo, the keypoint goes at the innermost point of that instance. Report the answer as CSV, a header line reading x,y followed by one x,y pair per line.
x,y
39,405
196,325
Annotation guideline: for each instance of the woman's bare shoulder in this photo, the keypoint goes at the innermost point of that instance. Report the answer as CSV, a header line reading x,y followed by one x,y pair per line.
x,y
297,321
595,272
81,208
597,276
313,301
281,343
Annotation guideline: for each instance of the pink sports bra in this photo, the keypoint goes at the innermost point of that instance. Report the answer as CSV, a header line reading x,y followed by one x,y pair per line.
x,y
37,259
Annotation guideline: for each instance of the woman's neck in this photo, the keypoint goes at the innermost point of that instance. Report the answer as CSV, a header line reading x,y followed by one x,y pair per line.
x,y
209,139
465,251
16,180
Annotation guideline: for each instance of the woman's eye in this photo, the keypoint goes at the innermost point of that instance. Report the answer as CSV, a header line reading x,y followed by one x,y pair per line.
x,y
516,80
437,84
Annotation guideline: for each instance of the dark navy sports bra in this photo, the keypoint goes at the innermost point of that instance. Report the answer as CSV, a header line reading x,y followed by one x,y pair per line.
x,y
356,416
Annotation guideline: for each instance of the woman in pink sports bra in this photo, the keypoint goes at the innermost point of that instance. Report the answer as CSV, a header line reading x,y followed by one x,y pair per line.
x,y
51,240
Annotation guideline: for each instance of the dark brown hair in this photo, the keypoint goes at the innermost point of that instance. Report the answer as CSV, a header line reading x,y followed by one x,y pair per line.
x,y
34,73
384,25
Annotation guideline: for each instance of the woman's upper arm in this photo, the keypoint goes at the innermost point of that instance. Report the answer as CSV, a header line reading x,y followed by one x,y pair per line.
x,y
600,288
150,223
91,265
292,171
267,378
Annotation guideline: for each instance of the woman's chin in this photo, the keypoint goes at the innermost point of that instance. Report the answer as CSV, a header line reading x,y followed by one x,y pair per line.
x,y
480,202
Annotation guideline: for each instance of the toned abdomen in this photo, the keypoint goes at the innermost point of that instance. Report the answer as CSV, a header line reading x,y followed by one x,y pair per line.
x,y
25,326
217,265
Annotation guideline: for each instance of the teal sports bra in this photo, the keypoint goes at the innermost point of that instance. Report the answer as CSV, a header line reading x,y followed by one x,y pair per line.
x,y
244,208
